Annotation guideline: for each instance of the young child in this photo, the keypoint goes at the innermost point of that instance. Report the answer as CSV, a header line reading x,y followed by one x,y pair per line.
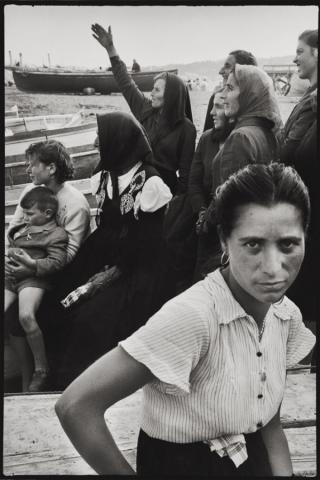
x,y
40,244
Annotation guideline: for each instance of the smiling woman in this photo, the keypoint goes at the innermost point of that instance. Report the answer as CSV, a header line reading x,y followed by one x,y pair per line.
x,y
303,115
299,149
250,104
167,117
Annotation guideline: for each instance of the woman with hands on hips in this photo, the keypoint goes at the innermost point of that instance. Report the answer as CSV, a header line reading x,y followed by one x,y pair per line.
x,y
212,361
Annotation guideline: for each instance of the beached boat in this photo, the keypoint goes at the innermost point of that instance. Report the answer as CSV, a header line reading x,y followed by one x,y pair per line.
x,y
84,163
11,112
76,81
46,122
76,131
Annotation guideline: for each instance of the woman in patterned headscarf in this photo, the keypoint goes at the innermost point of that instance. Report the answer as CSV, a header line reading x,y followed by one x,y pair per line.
x,y
250,104
167,117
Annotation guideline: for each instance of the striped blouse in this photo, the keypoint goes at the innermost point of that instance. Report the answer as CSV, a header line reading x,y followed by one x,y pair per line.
x,y
214,377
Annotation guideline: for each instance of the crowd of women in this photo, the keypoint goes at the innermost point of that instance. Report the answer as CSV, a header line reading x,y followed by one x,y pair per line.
x,y
181,286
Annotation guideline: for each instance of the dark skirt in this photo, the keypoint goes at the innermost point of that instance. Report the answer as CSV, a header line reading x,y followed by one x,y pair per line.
x,y
158,458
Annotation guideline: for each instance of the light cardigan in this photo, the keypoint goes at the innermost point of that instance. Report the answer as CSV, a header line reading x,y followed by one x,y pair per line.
x,y
214,378
73,215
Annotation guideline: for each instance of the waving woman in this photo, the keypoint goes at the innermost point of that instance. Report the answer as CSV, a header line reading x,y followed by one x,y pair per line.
x,y
167,117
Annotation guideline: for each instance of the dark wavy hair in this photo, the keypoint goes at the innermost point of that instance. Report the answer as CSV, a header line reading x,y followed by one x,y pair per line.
x,y
264,185
244,58
310,37
42,197
52,151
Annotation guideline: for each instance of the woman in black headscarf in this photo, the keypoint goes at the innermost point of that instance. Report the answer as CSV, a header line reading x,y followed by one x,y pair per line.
x,y
166,118
118,279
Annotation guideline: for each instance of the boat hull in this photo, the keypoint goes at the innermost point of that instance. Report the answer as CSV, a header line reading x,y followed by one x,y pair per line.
x,y
77,82
78,141
42,122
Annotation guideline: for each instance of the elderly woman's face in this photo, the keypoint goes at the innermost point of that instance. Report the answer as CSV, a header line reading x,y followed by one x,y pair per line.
x,y
266,250
157,94
230,97
306,60
217,112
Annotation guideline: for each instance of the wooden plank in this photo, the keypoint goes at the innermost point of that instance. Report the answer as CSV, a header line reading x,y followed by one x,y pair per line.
x,y
12,193
299,401
35,444
89,153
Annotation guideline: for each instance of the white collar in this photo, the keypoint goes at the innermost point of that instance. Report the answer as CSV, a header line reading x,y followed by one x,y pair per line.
x,y
235,310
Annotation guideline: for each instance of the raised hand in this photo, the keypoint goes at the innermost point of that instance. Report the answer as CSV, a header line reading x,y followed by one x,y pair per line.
x,y
103,36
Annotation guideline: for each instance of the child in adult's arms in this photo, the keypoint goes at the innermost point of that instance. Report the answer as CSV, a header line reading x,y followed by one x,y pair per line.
x,y
40,244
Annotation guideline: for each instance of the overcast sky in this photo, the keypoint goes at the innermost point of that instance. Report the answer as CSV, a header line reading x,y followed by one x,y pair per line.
x,y
154,35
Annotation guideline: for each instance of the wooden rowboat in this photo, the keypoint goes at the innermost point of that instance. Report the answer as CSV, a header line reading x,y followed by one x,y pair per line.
x,y
75,132
26,124
76,81
84,163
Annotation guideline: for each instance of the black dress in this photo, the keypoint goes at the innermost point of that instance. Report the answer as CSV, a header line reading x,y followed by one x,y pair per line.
x,y
172,134
135,246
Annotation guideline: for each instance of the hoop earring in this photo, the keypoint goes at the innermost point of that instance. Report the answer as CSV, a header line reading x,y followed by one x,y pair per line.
x,y
224,261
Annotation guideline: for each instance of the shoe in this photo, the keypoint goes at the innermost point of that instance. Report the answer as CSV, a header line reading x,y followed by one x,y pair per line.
x,y
39,381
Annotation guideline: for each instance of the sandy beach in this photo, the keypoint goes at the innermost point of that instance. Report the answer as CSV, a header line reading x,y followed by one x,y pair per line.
x,y
46,104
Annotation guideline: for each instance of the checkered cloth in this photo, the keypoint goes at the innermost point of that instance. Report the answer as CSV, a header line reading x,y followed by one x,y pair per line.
x,y
232,445
75,295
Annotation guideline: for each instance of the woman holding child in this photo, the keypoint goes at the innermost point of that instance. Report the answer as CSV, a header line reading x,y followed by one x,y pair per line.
x,y
212,361
50,165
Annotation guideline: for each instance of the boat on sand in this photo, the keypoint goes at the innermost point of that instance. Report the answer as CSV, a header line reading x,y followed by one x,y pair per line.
x,y
76,131
53,80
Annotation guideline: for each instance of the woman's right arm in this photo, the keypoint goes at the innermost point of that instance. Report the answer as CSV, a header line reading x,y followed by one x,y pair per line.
x,y
82,406
134,97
